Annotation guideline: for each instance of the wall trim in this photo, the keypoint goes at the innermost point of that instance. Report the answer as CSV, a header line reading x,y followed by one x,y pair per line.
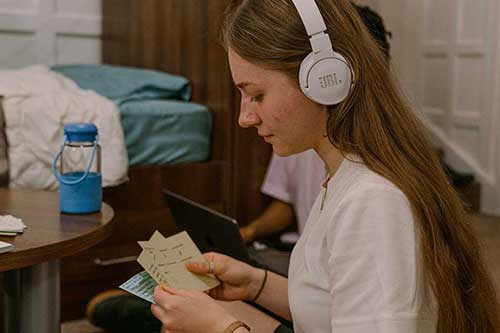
x,y
453,148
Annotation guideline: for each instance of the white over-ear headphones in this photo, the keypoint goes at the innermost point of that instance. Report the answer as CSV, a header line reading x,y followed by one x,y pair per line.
x,y
325,76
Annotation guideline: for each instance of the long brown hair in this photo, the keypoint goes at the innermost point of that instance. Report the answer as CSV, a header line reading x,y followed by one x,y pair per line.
x,y
377,123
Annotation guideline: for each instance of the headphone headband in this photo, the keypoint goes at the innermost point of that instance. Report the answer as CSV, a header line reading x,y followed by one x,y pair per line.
x,y
315,25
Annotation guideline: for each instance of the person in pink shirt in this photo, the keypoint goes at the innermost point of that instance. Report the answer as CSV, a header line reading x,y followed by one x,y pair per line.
x,y
294,183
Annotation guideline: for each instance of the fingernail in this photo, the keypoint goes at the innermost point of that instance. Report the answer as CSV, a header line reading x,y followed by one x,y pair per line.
x,y
193,265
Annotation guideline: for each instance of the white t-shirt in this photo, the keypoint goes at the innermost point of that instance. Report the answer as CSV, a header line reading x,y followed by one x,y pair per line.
x,y
357,266
295,180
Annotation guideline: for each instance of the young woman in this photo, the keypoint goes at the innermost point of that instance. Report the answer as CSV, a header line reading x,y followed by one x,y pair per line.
x,y
387,246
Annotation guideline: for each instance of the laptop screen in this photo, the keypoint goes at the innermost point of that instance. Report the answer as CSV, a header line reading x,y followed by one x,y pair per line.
x,y
210,230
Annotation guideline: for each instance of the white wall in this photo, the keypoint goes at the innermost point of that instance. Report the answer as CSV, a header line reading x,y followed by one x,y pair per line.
x,y
447,55
49,32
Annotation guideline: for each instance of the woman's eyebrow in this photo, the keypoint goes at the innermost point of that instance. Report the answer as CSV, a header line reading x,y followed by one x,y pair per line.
x,y
243,85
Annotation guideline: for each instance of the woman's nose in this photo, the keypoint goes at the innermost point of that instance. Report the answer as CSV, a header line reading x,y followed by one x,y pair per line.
x,y
248,118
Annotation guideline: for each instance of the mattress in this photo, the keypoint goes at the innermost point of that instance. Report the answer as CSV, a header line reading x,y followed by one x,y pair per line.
x,y
165,131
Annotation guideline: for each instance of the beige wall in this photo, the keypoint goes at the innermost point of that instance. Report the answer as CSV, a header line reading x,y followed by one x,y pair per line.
x,y
445,53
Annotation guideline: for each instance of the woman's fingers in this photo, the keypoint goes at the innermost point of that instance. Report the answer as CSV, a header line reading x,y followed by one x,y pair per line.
x,y
198,267
162,315
167,289
158,311
210,256
172,293
161,289
211,265
163,294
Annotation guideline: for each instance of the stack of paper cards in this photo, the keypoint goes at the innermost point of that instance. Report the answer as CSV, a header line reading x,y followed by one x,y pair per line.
x,y
164,260
6,247
11,226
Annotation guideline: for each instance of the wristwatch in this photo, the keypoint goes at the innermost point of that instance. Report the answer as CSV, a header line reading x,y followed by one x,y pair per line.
x,y
235,325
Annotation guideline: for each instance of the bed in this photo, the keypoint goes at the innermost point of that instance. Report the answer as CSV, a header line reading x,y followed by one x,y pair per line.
x,y
160,123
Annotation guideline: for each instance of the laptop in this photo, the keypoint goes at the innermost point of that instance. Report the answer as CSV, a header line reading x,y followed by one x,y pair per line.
x,y
213,231
210,230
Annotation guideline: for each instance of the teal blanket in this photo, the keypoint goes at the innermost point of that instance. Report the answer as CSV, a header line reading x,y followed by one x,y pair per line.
x,y
122,84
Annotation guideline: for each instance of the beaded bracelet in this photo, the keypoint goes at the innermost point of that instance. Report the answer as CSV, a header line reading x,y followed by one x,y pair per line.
x,y
261,286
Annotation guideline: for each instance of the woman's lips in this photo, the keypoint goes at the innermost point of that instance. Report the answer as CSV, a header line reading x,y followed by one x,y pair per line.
x,y
267,137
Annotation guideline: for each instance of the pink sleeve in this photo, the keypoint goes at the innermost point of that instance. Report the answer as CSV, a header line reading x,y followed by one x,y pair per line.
x,y
277,182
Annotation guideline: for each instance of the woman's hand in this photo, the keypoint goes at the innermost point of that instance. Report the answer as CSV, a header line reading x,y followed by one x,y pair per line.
x,y
188,311
239,281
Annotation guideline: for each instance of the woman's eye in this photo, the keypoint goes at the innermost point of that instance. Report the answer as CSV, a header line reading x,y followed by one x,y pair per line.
x,y
257,98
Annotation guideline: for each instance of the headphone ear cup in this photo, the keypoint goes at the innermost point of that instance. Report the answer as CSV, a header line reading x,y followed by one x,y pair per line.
x,y
326,77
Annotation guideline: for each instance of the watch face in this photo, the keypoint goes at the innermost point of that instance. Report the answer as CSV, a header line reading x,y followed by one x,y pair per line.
x,y
235,325
242,324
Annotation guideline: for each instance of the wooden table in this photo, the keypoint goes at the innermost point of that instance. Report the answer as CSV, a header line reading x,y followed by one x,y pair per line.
x,y
31,279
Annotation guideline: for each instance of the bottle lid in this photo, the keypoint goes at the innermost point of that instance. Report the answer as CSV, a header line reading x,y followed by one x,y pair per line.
x,y
80,132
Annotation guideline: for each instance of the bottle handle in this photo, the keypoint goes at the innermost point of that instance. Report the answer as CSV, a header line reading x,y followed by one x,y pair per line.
x,y
82,178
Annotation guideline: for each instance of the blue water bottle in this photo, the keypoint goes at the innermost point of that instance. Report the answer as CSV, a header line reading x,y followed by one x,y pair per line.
x,y
80,180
